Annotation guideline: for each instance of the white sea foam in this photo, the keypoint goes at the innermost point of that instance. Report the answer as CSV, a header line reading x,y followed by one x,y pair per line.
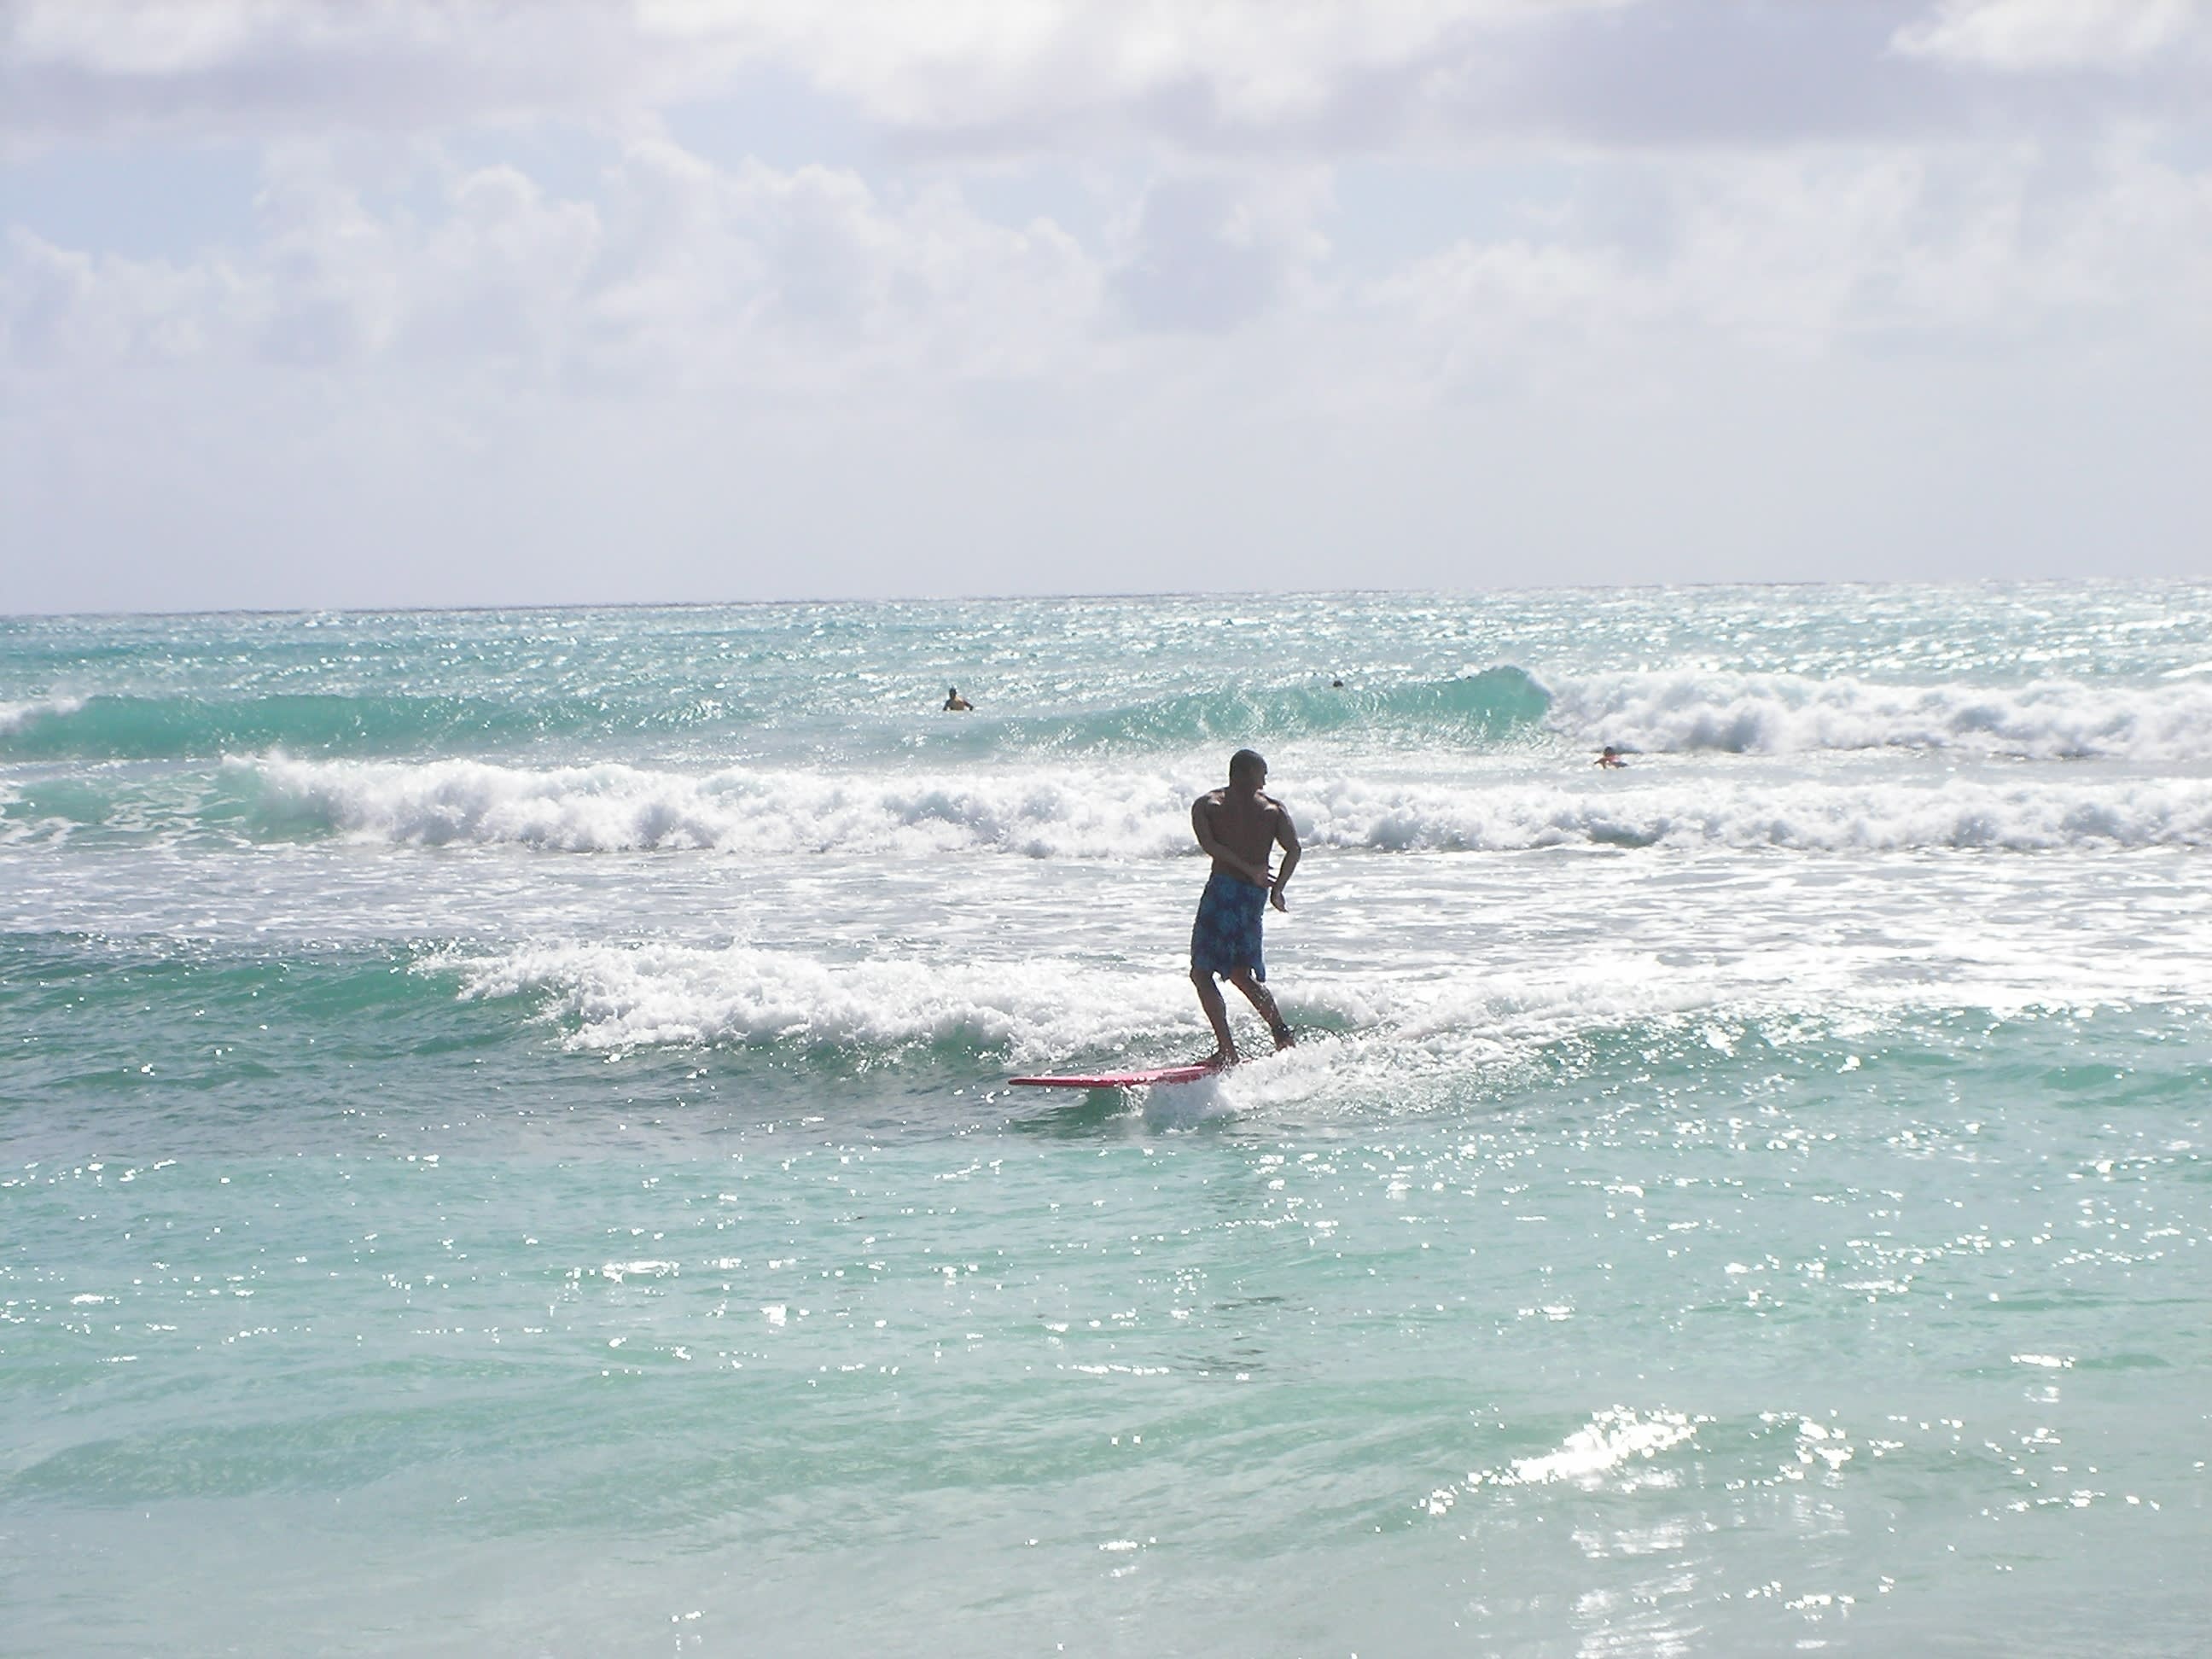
x,y
615,997
1039,814
13,716
1781,714
1805,814
614,808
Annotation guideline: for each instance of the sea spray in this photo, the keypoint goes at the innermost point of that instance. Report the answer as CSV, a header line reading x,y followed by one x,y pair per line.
x,y
1091,812
1776,714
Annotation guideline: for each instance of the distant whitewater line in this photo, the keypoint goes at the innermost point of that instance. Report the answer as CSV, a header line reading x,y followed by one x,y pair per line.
x,y
1145,815
1779,713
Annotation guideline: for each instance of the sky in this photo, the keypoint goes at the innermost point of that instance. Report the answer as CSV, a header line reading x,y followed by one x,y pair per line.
x,y
423,302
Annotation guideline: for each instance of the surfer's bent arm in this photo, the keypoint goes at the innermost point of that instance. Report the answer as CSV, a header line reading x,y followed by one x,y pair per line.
x,y
1286,837
1202,824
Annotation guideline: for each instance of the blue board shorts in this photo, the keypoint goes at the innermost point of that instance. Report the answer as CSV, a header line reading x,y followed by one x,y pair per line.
x,y
1226,935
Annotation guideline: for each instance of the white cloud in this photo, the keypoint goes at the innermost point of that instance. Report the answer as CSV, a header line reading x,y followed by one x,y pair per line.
x,y
1223,81
2043,35
1118,275
1208,252
962,64
144,38
104,70
74,67
1809,255
678,274
62,308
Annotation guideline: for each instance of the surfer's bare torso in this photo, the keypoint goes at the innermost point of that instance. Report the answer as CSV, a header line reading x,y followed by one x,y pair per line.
x,y
1240,829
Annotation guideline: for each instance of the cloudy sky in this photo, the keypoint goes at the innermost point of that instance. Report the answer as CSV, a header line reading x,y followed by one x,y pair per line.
x,y
372,302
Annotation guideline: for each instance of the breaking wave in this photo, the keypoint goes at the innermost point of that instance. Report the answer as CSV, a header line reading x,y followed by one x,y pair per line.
x,y
1059,813
615,997
1774,714
17,717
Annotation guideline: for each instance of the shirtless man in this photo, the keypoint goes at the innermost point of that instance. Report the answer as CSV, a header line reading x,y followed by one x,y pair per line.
x,y
1238,827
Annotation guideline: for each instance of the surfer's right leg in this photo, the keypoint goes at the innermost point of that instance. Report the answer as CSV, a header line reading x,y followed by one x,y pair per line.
x,y
1217,1015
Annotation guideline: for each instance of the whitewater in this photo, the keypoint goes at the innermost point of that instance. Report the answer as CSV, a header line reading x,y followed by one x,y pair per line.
x,y
504,1141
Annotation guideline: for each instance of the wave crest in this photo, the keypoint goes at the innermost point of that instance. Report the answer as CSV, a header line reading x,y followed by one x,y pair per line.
x,y
1776,714
1060,814
1478,706
613,808
17,717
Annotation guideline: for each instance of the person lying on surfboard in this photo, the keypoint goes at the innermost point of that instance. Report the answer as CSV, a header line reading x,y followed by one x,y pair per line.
x,y
1238,827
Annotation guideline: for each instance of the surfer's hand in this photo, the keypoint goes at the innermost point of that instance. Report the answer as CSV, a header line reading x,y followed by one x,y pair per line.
x,y
1275,898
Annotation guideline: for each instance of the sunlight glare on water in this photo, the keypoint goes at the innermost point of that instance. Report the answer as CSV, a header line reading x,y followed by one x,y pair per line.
x,y
506,1143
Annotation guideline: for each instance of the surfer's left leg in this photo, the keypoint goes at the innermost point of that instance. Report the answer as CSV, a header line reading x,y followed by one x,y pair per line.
x,y
1260,998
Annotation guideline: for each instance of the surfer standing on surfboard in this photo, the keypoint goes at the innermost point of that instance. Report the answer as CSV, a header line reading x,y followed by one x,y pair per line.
x,y
1238,827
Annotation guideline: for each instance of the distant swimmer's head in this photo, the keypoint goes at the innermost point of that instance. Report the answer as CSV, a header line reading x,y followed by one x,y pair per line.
x,y
1336,685
1247,767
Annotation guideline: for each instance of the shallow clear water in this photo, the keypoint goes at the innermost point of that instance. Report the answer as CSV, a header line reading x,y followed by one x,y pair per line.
x,y
504,1142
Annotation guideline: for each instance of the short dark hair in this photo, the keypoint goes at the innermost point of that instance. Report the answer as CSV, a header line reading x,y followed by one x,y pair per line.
x,y
1244,762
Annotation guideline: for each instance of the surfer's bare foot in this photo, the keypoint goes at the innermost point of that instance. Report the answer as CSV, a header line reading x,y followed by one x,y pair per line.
x,y
1284,1039
1216,1061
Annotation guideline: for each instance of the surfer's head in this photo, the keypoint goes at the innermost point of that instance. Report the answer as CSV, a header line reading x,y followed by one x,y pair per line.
x,y
1247,767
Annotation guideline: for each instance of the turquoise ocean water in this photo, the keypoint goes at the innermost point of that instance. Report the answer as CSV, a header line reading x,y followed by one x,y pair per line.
x,y
504,1145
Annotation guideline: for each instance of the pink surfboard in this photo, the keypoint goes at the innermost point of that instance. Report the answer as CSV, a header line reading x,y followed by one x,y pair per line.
x,y
1118,1080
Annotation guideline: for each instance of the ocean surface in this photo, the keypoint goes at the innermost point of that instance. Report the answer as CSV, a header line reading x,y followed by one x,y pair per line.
x,y
505,1145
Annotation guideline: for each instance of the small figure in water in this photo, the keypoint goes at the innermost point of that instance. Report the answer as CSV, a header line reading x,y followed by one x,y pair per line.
x,y
1336,685
954,703
1609,758
1238,827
